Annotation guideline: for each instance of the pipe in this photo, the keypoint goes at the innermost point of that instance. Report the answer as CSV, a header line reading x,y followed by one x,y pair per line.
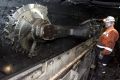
x,y
63,70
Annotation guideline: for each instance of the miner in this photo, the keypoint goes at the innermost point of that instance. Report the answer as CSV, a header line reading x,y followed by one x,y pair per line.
x,y
106,44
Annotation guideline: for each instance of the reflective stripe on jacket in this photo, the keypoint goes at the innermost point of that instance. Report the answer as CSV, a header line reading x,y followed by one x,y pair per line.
x,y
108,39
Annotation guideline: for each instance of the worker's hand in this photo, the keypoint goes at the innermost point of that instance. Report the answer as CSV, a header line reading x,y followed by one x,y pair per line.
x,y
100,56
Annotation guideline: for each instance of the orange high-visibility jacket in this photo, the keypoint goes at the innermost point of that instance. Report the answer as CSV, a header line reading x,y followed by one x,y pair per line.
x,y
108,39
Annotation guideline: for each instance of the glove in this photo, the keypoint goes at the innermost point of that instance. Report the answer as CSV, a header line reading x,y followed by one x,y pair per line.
x,y
100,56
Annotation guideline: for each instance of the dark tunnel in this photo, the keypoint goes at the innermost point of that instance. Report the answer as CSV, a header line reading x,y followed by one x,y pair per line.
x,y
59,13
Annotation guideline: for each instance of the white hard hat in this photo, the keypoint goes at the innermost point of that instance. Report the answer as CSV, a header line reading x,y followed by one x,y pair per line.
x,y
109,19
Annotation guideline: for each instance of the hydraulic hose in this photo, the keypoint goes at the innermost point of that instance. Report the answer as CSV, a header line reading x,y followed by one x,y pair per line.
x,y
110,4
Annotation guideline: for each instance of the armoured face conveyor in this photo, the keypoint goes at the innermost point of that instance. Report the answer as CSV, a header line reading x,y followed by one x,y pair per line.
x,y
29,26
